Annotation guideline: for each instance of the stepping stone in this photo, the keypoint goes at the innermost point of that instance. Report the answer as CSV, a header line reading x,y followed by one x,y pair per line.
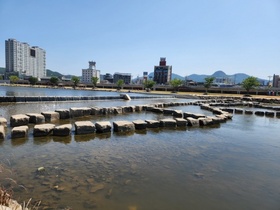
x,y
36,118
121,126
269,114
62,130
103,127
63,113
96,111
3,121
238,111
181,122
19,120
2,132
259,113
157,110
168,111
205,121
43,129
19,131
217,120
140,124
177,113
138,108
50,116
80,111
192,121
118,110
152,123
248,112
84,127
168,123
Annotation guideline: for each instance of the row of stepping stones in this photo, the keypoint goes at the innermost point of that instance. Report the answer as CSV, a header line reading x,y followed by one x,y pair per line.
x,y
87,127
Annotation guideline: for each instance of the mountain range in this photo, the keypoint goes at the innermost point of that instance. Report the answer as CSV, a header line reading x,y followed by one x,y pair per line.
x,y
235,78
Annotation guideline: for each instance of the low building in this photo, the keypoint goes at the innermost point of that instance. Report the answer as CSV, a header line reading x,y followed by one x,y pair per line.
x,y
126,77
108,78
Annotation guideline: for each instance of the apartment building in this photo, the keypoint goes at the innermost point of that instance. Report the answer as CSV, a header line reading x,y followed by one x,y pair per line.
x,y
24,60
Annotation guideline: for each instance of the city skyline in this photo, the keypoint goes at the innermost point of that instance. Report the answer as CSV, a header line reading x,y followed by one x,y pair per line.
x,y
196,37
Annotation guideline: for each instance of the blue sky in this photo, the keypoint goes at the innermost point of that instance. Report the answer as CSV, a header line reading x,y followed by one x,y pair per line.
x,y
129,36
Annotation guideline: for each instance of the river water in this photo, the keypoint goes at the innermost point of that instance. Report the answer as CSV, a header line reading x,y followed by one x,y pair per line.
x,y
231,166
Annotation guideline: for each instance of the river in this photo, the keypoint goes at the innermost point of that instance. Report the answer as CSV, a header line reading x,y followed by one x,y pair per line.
x,y
231,166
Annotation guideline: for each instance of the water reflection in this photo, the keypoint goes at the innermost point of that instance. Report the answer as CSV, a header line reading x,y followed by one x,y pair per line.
x,y
62,139
42,140
19,141
84,137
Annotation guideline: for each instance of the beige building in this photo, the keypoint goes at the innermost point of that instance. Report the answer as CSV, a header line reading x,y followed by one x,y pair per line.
x,y
90,72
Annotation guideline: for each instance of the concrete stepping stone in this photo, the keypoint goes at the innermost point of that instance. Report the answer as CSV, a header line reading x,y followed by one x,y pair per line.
x,y
167,123
103,127
19,131
269,114
205,121
36,118
50,116
140,124
3,121
152,123
181,122
177,113
122,126
43,129
80,111
84,127
19,120
192,121
2,132
63,113
259,113
62,130
248,112
238,111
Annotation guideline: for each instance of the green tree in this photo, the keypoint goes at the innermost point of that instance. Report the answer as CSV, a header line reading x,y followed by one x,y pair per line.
x,y
120,83
208,83
175,83
75,81
149,84
13,79
94,81
250,83
33,80
54,80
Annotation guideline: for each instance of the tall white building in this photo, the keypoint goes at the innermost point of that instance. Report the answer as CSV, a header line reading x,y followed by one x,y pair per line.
x,y
24,60
90,72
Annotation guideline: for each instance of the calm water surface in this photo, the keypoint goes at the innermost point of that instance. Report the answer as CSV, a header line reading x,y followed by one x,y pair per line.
x,y
231,166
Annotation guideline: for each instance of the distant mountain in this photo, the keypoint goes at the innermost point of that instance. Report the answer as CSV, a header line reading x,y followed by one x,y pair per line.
x,y
51,73
173,76
235,78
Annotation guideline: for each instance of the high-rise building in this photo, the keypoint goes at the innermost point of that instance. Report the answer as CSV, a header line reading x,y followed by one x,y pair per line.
x,y
23,60
162,73
90,72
